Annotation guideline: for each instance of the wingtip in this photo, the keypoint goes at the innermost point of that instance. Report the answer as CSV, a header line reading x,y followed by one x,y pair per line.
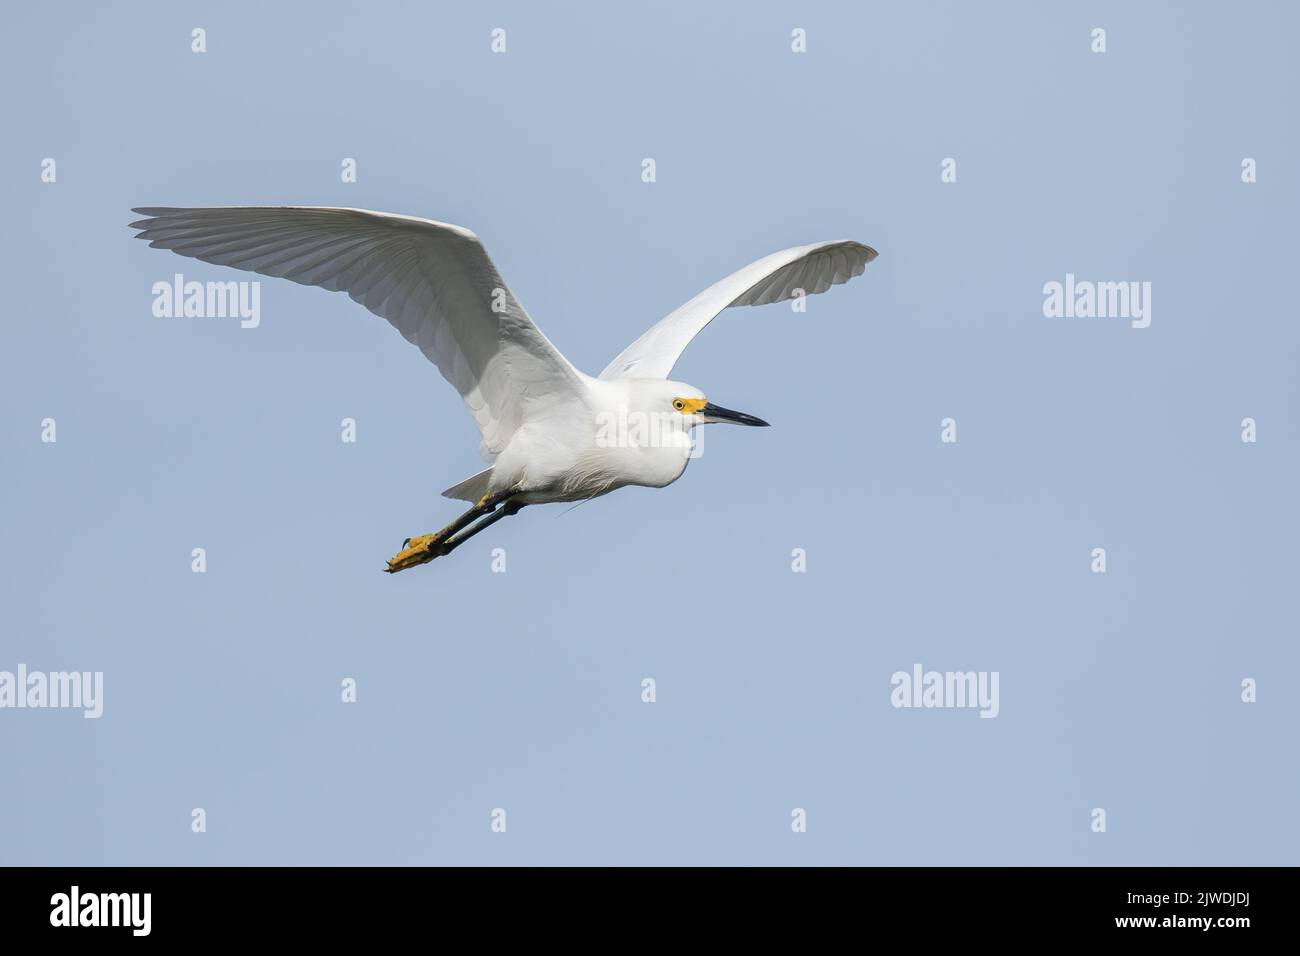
x,y
869,251
151,214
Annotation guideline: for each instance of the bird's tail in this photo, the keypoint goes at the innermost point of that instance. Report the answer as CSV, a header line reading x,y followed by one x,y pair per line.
x,y
472,488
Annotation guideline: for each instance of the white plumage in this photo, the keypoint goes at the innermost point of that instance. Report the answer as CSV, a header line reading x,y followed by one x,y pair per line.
x,y
813,268
546,425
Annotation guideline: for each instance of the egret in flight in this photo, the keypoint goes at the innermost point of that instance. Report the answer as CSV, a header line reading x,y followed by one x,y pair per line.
x,y
552,433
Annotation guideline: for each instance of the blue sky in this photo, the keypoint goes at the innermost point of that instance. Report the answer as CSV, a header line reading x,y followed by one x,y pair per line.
x,y
522,690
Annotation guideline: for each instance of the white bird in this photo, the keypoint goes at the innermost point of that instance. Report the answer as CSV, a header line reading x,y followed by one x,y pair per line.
x,y
551,432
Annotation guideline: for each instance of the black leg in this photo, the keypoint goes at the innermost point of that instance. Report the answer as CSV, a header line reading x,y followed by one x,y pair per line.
x,y
511,508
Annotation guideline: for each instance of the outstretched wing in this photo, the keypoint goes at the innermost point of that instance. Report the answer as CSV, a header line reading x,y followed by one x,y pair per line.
x,y
433,281
774,278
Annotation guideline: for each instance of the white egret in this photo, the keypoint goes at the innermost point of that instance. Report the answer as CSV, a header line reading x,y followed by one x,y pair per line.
x,y
551,432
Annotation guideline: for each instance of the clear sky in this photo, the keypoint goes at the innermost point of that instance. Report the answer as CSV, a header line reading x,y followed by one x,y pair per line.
x,y
1120,691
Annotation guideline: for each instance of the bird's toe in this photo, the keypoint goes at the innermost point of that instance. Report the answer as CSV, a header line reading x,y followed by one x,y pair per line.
x,y
416,551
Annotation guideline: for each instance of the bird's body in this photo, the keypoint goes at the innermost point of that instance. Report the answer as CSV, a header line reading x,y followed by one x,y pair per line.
x,y
619,433
553,433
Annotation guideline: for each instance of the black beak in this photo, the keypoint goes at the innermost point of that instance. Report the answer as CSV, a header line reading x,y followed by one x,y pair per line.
x,y
715,413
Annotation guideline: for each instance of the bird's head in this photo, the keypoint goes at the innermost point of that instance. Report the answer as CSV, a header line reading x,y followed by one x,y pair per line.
x,y
688,402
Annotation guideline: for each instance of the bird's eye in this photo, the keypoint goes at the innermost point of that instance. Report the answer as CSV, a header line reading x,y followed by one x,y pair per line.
x,y
679,404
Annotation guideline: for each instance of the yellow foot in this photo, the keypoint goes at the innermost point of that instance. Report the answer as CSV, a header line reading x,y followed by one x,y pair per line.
x,y
415,551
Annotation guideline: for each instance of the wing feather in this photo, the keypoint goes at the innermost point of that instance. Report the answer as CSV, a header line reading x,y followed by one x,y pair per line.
x,y
775,278
432,281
